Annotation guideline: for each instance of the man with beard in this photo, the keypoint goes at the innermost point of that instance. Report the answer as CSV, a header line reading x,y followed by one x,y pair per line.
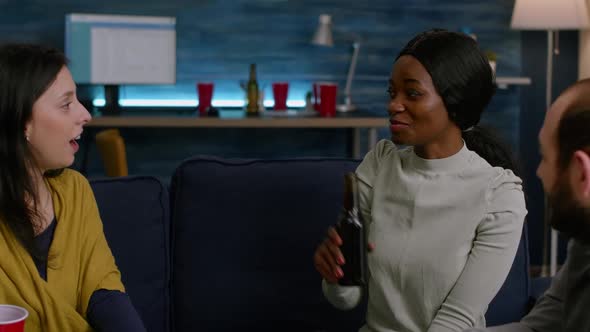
x,y
565,173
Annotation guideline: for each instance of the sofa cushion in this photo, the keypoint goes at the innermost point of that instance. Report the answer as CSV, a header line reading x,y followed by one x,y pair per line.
x,y
244,234
512,301
135,214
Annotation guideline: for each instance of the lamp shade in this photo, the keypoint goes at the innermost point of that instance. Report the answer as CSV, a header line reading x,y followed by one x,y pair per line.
x,y
550,15
323,34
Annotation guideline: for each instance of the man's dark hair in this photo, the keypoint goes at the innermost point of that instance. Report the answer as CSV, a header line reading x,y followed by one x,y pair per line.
x,y
573,134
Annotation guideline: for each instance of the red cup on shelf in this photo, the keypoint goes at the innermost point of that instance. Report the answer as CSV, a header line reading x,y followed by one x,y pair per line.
x,y
205,92
328,92
12,318
280,91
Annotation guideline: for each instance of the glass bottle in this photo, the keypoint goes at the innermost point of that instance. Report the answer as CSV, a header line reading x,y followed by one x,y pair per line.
x,y
252,92
352,231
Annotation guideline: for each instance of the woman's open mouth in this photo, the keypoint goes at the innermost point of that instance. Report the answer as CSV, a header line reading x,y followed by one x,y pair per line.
x,y
74,144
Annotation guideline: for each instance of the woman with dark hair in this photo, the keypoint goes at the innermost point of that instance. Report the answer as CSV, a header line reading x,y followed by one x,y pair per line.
x,y
56,262
445,214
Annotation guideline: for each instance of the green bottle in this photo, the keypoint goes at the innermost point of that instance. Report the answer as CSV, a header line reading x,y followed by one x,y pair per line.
x,y
252,90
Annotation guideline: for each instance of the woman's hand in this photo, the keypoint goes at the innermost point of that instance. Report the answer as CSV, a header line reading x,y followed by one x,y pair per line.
x,y
328,257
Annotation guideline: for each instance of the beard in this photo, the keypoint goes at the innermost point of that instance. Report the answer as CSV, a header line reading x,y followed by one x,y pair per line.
x,y
567,215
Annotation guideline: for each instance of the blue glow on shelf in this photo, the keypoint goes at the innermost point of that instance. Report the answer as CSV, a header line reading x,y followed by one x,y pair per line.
x,y
226,94
100,102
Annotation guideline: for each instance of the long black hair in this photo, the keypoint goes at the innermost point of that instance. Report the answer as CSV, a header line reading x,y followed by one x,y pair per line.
x,y
26,71
462,76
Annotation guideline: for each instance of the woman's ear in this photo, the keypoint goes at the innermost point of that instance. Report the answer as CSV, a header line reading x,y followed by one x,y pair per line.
x,y
28,131
582,169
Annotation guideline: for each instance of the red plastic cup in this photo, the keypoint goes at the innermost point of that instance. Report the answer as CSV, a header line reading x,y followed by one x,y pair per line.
x,y
205,91
328,93
280,90
12,318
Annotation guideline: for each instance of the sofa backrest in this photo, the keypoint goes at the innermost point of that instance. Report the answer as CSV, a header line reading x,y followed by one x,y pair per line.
x,y
244,233
512,301
135,215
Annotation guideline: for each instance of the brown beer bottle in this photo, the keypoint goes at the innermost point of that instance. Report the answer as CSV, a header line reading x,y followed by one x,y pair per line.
x,y
352,231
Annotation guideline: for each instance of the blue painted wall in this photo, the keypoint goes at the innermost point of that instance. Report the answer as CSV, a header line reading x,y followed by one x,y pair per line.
x,y
218,39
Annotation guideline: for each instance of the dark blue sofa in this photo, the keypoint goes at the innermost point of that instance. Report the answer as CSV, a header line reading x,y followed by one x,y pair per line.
x,y
228,247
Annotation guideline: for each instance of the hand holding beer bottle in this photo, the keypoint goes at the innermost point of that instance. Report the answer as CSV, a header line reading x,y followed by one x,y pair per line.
x,y
342,256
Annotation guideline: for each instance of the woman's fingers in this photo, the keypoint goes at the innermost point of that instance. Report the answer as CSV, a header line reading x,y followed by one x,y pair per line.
x,y
333,235
328,258
326,270
335,252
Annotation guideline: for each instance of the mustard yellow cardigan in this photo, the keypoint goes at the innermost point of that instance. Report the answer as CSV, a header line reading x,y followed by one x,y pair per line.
x,y
80,262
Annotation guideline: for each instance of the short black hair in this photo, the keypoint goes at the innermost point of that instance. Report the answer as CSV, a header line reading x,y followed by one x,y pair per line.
x,y
573,134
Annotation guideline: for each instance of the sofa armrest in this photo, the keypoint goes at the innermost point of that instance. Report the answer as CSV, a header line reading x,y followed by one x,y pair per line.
x,y
135,215
538,287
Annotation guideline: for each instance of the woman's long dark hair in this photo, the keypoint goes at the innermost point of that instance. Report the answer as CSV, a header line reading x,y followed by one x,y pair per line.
x,y
26,71
463,78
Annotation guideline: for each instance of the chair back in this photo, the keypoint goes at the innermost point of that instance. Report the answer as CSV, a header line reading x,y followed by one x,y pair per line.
x,y
111,147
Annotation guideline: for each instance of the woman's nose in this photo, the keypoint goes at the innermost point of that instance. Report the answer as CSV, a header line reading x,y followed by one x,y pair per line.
x,y
85,116
395,106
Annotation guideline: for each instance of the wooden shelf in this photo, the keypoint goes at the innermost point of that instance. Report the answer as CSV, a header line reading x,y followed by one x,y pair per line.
x,y
254,122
